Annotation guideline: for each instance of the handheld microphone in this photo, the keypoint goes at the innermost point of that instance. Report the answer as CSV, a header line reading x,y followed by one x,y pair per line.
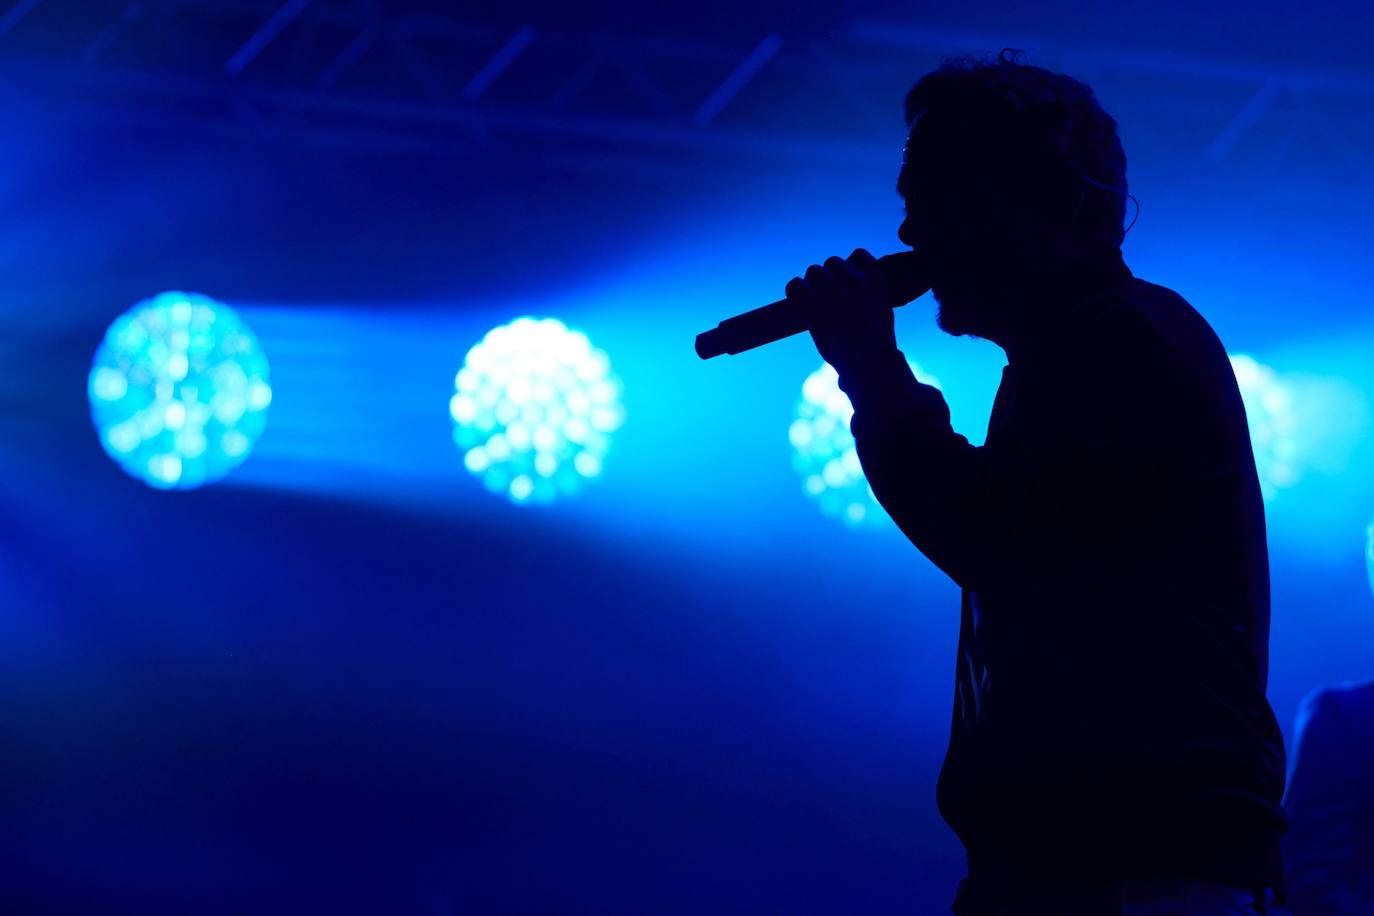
x,y
903,274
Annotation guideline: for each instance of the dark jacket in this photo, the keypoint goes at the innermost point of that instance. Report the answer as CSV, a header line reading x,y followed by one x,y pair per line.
x,y
1110,718
1329,851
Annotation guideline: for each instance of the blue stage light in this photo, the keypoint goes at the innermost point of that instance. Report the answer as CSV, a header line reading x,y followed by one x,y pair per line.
x,y
534,410
179,390
1369,554
823,450
1272,420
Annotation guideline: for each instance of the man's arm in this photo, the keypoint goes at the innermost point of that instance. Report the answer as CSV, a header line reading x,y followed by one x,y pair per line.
x,y
923,473
1086,461
1089,452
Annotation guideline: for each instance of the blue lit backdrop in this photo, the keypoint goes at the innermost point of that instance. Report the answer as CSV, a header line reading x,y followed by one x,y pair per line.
x,y
695,681
1369,554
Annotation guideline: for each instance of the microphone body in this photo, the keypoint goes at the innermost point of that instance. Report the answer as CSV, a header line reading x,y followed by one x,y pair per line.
x,y
902,272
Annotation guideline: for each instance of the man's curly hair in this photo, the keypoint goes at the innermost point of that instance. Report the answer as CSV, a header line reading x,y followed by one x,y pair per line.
x,y
1039,123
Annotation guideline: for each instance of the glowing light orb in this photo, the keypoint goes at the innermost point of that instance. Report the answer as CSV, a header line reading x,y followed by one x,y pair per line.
x,y
534,409
823,451
179,391
1272,420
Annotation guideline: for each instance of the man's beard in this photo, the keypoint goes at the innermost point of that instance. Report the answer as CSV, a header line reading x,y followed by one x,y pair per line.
x,y
959,315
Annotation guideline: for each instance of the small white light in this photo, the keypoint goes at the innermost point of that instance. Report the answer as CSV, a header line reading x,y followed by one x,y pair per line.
x,y
534,408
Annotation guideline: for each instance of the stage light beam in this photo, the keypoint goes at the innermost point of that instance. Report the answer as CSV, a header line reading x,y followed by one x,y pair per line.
x,y
1272,419
1369,554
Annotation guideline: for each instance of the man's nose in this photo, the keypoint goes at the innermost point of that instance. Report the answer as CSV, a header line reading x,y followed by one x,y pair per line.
x,y
906,233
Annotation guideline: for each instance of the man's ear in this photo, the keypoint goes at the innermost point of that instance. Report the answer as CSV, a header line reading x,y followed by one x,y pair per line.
x,y
1094,206
1067,197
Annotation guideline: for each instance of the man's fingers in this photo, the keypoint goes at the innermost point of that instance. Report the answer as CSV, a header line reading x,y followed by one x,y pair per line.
x,y
822,283
872,280
843,274
834,287
862,259
864,266
800,301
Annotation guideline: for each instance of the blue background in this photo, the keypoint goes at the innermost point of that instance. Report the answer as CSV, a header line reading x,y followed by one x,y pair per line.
x,y
347,678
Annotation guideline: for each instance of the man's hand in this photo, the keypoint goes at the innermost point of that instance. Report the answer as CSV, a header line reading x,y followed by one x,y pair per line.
x,y
845,303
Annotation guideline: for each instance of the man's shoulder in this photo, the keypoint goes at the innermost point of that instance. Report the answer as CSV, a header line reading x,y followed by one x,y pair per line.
x,y
1157,316
1152,328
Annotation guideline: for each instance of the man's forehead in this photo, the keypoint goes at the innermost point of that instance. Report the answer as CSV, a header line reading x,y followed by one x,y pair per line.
x,y
948,146
929,138
920,152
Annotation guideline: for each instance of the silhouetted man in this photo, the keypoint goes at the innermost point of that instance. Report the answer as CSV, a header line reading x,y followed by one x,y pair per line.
x,y
1112,750
1329,851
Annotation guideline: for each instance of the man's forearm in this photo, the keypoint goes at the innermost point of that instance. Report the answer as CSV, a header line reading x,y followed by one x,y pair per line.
x,y
924,473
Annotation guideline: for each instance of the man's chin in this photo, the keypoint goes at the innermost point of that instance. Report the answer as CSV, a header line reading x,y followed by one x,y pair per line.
x,y
954,317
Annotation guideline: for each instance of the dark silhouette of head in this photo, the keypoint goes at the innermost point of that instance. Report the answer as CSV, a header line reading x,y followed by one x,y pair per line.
x,y
1014,180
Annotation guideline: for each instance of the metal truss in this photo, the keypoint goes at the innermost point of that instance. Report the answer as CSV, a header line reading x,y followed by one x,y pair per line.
x,y
1207,113
366,73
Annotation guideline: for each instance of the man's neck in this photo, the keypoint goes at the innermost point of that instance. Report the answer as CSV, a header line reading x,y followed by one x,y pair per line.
x,y
1044,305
